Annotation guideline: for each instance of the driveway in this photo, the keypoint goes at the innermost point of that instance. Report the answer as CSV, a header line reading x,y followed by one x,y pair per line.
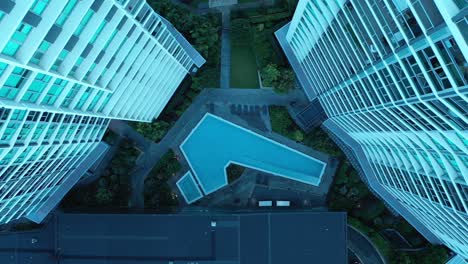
x,y
363,248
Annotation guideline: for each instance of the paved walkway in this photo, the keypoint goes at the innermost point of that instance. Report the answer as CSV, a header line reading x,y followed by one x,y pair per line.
x,y
152,152
203,8
226,49
225,74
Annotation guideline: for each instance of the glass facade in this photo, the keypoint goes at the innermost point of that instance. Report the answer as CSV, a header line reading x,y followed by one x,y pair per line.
x,y
393,75
63,78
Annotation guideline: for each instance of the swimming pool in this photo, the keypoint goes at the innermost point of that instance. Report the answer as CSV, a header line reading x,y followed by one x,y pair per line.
x,y
188,188
215,143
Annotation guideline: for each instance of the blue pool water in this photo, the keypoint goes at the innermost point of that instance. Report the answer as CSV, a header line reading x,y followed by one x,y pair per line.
x,y
189,189
215,142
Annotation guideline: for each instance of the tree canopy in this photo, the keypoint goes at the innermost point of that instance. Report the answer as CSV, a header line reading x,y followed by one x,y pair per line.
x,y
280,78
154,131
200,31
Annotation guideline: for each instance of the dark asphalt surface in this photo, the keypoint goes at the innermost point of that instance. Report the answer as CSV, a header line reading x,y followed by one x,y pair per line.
x,y
363,248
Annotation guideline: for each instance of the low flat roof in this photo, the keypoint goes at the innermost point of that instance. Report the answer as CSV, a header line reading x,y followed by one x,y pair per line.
x,y
277,238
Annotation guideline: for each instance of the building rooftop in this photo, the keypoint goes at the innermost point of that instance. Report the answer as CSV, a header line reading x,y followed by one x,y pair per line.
x,y
145,238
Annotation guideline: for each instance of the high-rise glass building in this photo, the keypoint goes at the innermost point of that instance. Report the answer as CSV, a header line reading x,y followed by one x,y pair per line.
x,y
392,77
67,67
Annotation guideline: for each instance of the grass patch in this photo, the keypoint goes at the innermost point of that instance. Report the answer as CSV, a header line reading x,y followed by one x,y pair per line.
x,y
243,67
243,62
254,47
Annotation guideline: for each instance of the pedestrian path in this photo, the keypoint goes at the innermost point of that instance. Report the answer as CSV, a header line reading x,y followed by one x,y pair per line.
x,y
225,78
222,98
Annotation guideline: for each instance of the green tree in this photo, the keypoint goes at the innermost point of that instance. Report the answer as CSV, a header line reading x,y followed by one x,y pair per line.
x,y
401,258
319,140
286,82
280,120
298,135
201,31
112,189
157,192
369,209
205,38
154,131
172,167
104,196
340,203
434,254
270,75
341,177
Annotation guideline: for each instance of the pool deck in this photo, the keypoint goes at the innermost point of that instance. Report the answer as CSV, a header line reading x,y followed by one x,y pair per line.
x,y
226,103
310,175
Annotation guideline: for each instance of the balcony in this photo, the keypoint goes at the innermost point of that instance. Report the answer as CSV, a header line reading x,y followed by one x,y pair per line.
x,y
428,13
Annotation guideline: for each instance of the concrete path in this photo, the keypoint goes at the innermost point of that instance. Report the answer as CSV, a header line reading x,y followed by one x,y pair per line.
x,y
152,152
225,49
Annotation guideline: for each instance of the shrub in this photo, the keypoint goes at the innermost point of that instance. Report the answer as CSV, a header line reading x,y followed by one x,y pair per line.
x,y
286,82
281,123
270,75
341,176
112,190
319,140
369,209
298,135
157,192
154,131
234,171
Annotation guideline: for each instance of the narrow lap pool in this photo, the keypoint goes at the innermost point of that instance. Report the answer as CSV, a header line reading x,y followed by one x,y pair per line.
x,y
189,189
215,142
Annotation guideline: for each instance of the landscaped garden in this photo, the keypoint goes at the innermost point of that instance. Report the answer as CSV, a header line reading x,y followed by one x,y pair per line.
x,y
282,124
157,192
112,189
255,49
243,61
350,194
370,216
234,171
197,3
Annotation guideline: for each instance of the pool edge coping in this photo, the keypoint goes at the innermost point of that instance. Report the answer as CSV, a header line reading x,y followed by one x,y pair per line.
x,y
189,174
197,179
